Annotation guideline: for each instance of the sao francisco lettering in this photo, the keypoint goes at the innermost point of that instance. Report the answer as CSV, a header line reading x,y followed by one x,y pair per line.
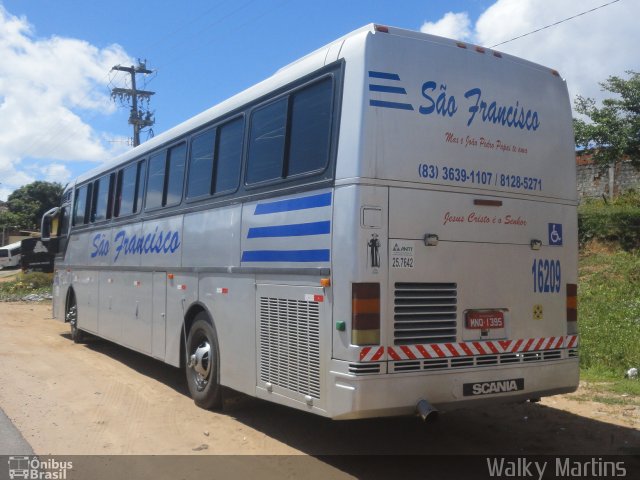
x,y
156,242
488,111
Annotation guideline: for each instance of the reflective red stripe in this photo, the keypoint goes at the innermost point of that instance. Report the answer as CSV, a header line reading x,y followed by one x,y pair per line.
x,y
437,349
407,351
452,349
517,346
479,348
378,354
363,352
423,351
392,353
466,349
528,344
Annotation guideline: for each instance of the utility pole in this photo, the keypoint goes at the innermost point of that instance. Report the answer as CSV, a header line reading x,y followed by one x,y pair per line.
x,y
138,118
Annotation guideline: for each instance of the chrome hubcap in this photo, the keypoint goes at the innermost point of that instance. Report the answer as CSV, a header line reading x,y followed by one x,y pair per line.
x,y
200,363
72,317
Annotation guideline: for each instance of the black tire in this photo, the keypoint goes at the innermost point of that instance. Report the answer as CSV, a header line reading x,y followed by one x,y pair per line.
x,y
71,316
202,364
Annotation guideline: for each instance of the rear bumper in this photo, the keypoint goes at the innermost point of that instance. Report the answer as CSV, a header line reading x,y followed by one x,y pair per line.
x,y
376,395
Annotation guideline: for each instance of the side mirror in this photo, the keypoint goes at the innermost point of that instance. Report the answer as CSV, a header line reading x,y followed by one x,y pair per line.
x,y
49,225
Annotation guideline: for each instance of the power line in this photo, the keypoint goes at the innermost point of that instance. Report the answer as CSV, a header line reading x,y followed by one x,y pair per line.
x,y
556,23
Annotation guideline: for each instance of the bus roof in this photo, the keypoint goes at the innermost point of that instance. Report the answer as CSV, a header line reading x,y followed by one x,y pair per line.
x,y
304,65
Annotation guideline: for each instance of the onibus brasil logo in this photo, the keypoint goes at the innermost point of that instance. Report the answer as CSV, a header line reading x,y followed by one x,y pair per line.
x,y
34,468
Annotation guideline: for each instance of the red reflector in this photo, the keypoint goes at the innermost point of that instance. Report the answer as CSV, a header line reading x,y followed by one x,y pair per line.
x,y
488,203
461,45
480,50
497,54
572,302
555,72
381,28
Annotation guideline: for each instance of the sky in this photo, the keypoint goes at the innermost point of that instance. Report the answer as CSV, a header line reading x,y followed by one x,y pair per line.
x,y
57,118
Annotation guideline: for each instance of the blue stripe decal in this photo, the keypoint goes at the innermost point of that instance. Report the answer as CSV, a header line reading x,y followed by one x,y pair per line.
x,y
286,255
385,75
384,88
381,103
314,201
294,230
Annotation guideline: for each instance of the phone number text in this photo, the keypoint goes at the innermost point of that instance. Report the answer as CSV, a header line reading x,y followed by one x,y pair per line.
x,y
478,177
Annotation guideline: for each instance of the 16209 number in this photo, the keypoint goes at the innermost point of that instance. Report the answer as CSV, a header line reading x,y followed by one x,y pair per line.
x,y
547,276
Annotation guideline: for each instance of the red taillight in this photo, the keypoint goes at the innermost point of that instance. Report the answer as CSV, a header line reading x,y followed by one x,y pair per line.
x,y
381,28
365,314
572,302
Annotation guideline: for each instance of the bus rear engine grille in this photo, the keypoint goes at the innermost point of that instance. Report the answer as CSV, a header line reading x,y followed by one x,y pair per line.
x,y
289,354
425,313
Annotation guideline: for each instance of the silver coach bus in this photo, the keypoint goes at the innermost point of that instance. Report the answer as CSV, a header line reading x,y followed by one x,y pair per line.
x,y
387,224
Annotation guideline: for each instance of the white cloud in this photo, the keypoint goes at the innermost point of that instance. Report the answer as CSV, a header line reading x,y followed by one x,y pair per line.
x,y
44,82
452,25
585,50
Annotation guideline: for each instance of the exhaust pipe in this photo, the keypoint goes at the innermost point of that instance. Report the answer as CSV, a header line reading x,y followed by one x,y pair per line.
x,y
426,411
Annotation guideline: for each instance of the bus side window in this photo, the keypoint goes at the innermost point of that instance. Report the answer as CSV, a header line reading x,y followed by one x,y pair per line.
x,y
228,156
267,142
126,191
102,198
81,206
142,170
155,184
201,164
175,180
310,128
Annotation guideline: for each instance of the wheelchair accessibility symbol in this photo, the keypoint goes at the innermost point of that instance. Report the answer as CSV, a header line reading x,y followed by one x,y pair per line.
x,y
555,234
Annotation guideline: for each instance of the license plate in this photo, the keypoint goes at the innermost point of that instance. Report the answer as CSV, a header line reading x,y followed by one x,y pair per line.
x,y
490,387
484,319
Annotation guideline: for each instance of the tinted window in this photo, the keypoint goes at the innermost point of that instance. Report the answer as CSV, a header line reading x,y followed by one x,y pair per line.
x,y
266,143
177,157
102,199
80,206
4,253
155,185
142,170
126,191
229,156
201,164
63,229
310,128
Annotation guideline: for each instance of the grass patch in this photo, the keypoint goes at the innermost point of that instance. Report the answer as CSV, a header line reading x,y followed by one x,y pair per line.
x,y
609,310
617,220
26,284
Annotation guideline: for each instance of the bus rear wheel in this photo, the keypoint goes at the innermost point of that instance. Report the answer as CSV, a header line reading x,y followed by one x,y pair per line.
x,y
202,364
77,335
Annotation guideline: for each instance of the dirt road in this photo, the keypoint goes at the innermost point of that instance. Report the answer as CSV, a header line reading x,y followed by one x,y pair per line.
x,y
99,398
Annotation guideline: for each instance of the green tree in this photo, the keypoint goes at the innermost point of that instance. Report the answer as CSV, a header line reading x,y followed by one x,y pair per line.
x,y
613,131
28,203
